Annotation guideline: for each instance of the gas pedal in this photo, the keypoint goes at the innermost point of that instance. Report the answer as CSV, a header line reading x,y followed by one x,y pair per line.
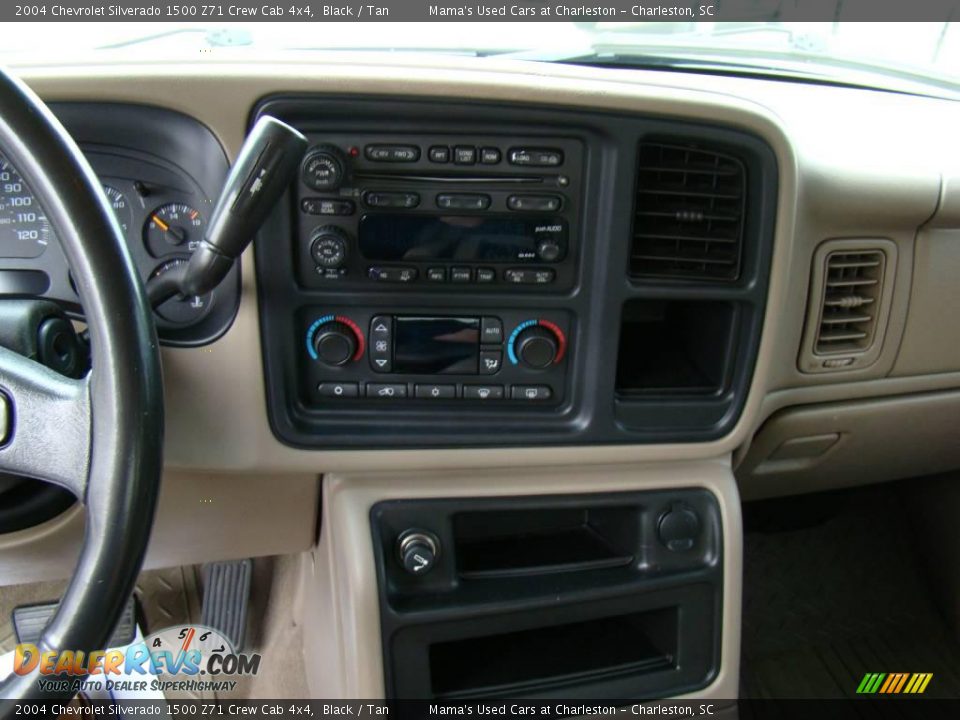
x,y
226,596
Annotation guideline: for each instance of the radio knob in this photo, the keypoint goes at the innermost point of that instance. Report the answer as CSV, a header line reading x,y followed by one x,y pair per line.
x,y
548,250
537,347
335,343
323,168
328,246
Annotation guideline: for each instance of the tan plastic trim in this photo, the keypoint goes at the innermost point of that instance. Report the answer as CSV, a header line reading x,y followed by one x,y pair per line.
x,y
200,518
877,440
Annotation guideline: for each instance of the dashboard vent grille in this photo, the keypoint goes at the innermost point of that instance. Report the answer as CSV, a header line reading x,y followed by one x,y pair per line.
x,y
689,213
852,289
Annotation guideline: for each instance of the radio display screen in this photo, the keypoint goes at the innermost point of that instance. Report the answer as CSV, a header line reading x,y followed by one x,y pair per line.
x,y
436,345
461,238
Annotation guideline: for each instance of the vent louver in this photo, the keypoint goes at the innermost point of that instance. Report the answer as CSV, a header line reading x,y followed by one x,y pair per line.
x,y
689,213
852,289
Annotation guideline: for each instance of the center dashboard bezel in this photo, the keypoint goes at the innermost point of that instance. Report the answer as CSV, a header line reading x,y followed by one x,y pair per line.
x,y
590,411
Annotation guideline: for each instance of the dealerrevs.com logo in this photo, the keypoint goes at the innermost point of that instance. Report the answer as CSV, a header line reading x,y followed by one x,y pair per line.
x,y
180,658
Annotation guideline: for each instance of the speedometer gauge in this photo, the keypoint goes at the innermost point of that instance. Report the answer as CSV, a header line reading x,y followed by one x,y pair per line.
x,y
24,229
121,208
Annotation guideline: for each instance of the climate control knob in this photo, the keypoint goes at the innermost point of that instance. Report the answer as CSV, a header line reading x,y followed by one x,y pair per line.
x,y
328,246
537,347
335,343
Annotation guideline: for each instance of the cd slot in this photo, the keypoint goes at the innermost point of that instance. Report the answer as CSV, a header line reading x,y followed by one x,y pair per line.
x,y
454,179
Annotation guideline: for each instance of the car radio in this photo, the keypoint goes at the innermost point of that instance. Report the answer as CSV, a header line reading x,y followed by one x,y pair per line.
x,y
434,211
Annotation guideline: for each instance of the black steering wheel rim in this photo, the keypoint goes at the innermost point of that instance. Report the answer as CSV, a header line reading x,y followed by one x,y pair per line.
x,y
123,407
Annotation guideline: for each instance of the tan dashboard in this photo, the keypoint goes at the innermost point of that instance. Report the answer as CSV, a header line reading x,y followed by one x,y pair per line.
x,y
853,164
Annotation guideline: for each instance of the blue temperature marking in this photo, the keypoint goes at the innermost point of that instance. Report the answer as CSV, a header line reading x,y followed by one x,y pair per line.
x,y
313,328
513,336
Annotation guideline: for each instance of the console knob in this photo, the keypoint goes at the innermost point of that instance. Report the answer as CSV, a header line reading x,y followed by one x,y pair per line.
x,y
335,343
328,246
548,250
418,551
679,527
323,168
537,347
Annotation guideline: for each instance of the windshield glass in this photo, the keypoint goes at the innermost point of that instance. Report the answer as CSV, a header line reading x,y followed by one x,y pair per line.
x,y
917,51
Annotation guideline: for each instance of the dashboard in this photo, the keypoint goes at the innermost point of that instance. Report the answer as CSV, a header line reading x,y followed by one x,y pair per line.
x,y
678,392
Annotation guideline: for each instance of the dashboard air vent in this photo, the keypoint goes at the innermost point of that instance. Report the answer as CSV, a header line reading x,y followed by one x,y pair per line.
x,y
689,213
852,288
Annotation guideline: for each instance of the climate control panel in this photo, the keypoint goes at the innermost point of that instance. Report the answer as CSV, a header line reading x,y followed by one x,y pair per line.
x,y
478,358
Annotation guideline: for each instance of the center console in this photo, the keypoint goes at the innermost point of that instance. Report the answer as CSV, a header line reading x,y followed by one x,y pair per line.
x,y
449,275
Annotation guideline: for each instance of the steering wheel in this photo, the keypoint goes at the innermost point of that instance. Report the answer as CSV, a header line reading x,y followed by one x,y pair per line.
x,y
101,436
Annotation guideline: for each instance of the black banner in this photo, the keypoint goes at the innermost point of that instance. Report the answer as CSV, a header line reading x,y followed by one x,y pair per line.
x,y
212,11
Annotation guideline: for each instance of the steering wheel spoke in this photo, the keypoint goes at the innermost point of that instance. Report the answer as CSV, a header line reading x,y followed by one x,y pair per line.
x,y
45,423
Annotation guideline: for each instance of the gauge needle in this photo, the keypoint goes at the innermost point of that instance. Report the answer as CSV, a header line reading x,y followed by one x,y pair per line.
x,y
163,226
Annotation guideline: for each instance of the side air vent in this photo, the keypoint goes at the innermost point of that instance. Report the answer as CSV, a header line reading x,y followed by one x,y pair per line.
x,y
850,295
851,300
689,213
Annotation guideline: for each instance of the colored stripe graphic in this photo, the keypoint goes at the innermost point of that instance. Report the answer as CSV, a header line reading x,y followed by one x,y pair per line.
x,y
894,683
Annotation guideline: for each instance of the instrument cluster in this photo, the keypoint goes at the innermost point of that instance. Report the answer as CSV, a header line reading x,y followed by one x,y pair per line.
x,y
161,208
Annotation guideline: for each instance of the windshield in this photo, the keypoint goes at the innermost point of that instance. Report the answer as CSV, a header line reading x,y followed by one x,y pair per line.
x,y
837,50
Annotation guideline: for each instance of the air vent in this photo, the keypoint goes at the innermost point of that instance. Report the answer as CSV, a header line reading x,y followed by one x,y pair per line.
x,y
849,304
852,289
689,213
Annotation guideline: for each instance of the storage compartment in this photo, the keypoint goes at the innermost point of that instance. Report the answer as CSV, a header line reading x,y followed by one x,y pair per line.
x,y
556,655
678,347
562,596
542,541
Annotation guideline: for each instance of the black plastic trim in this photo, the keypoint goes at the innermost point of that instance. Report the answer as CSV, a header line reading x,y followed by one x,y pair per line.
x,y
592,412
185,162
444,606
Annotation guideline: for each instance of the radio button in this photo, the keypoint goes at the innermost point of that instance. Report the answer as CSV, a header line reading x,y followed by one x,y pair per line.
x,y
464,155
489,156
532,393
490,362
528,276
439,154
329,247
323,168
338,390
461,274
535,157
483,392
486,275
386,390
318,206
393,274
392,153
435,392
534,203
549,250
463,201
406,200
491,330
437,274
